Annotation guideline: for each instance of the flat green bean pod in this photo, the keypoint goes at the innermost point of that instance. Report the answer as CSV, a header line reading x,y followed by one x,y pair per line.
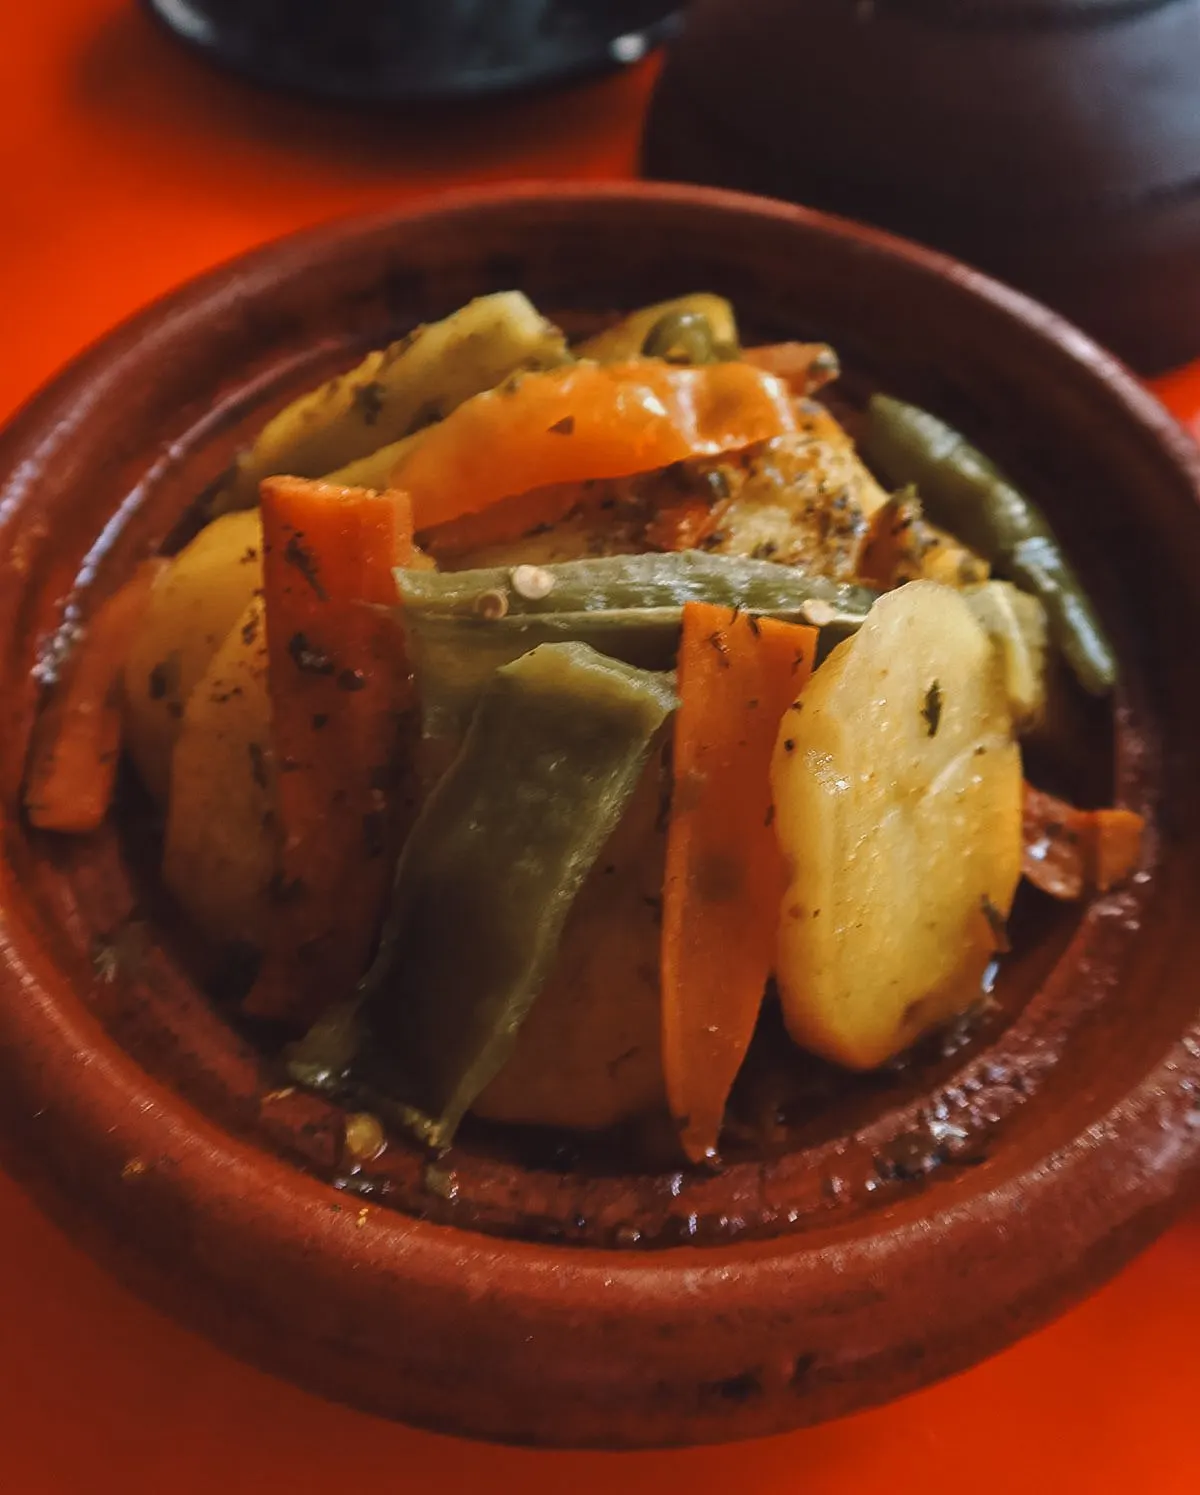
x,y
462,626
489,873
615,582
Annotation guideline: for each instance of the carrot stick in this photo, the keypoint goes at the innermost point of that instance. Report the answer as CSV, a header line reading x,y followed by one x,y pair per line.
x,y
77,739
339,689
804,367
738,674
1069,853
586,420
506,521
1117,847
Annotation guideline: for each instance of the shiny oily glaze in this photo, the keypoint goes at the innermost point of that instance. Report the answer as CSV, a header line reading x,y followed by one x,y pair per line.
x,y
875,1197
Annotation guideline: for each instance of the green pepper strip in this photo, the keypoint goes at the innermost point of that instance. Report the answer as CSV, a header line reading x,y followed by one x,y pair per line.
x,y
629,607
454,658
686,337
490,871
962,490
618,582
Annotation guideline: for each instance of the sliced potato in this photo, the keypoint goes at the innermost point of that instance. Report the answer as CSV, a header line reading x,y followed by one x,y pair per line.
x,y
376,468
626,338
589,1055
220,851
1016,624
395,391
192,606
897,788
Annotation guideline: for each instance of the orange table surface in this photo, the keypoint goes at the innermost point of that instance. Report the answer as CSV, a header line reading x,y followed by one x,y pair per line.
x,y
125,167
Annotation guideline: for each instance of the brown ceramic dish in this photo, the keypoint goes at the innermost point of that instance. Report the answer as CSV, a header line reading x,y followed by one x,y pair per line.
x,y
902,1227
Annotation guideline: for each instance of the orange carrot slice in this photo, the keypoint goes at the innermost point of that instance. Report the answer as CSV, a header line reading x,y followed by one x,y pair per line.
x,y
77,739
339,688
1069,853
804,367
586,420
506,521
738,674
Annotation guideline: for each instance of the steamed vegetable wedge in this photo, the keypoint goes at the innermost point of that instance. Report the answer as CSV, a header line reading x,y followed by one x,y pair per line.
x,y
897,787
492,867
76,740
220,851
724,875
194,602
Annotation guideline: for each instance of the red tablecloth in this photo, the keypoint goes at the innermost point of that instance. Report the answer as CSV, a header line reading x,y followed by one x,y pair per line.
x,y
124,168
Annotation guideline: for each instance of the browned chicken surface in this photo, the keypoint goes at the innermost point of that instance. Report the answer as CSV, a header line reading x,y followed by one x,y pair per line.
x,y
801,500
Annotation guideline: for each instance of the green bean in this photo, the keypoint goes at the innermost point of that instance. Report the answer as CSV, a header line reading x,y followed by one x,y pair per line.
x,y
963,491
453,658
464,625
618,582
628,338
490,870
686,337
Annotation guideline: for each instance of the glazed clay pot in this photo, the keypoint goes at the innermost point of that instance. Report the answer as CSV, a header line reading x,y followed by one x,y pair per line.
x,y
903,1227
375,51
1053,143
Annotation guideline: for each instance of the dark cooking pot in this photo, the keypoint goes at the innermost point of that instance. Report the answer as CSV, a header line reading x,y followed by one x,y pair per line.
x,y
1054,143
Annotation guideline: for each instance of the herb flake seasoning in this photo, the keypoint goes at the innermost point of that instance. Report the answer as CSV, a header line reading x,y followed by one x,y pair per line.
x,y
932,709
368,401
298,555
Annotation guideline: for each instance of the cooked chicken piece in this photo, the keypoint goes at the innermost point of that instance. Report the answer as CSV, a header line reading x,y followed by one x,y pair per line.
x,y
801,500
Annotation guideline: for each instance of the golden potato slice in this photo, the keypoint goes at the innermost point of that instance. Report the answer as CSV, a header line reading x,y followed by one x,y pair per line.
x,y
897,788
192,607
1016,624
220,852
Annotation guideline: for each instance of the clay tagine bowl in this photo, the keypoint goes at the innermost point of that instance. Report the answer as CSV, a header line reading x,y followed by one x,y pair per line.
x,y
903,1226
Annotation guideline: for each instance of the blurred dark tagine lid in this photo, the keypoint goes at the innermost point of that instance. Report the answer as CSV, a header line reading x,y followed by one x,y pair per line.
x,y
1054,143
408,51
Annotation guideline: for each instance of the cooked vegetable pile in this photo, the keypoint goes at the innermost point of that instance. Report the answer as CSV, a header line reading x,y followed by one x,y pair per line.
x,y
535,713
